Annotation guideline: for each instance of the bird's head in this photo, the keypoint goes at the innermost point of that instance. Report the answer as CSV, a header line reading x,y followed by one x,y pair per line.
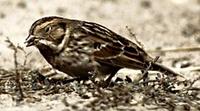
x,y
48,28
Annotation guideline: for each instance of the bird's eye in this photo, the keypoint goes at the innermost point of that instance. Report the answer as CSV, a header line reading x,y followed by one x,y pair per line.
x,y
47,29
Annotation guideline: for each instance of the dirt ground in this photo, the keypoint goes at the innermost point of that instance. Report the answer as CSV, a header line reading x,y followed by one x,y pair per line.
x,y
158,24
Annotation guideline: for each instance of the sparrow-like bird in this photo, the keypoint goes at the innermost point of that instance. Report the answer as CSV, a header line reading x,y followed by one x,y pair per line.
x,y
82,49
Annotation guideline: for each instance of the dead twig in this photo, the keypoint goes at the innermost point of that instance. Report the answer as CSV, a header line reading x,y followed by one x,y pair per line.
x,y
18,77
192,68
145,72
181,49
135,38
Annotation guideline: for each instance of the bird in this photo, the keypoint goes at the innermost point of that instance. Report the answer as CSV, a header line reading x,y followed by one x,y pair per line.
x,y
83,49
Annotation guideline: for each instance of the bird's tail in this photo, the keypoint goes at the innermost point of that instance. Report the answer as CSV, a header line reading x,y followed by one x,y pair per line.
x,y
164,69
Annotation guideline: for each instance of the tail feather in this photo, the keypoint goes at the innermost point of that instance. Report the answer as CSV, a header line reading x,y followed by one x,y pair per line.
x,y
163,69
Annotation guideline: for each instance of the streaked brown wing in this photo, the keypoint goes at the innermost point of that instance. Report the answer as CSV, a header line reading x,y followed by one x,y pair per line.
x,y
113,49
123,58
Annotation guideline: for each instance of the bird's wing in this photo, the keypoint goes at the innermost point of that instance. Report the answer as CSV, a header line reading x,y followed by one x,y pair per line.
x,y
111,48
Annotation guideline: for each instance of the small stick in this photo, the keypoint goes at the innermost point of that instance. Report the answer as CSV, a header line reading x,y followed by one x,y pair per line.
x,y
18,77
134,36
182,49
145,72
192,68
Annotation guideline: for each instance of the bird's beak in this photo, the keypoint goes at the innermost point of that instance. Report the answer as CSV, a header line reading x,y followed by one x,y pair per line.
x,y
29,40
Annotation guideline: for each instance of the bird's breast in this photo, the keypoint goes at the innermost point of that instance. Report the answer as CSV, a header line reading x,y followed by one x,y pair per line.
x,y
74,64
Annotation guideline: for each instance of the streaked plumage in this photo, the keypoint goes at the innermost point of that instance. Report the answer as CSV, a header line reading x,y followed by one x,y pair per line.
x,y
81,48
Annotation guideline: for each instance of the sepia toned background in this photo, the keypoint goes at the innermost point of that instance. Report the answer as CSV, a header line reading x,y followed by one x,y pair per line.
x,y
158,24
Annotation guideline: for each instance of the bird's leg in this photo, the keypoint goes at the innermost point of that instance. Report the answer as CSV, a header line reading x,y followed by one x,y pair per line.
x,y
108,80
92,76
145,72
145,75
98,78
104,83
102,71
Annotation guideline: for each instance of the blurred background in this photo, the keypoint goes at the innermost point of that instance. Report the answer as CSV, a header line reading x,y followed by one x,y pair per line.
x,y
158,24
